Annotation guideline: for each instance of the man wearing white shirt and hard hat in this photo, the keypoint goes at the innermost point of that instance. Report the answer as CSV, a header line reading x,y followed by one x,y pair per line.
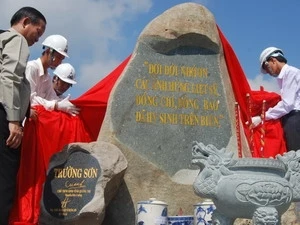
x,y
63,79
273,62
55,50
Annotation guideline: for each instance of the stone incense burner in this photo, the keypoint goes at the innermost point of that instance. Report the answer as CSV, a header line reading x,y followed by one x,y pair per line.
x,y
253,188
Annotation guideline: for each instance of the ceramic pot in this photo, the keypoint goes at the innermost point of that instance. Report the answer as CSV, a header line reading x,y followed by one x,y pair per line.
x,y
203,212
151,212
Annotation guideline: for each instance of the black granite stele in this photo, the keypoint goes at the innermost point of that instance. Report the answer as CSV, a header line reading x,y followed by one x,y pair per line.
x,y
70,185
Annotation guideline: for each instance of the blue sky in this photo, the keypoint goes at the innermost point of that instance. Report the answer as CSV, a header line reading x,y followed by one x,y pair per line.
x,y
102,33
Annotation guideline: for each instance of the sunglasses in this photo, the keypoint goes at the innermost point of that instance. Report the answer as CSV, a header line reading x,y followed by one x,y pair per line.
x,y
266,64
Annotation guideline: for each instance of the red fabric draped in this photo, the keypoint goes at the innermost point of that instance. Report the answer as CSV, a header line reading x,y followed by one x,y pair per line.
x,y
93,103
42,138
48,135
53,130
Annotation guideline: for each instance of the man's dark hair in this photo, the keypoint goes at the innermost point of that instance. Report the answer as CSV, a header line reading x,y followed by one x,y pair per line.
x,y
33,14
281,59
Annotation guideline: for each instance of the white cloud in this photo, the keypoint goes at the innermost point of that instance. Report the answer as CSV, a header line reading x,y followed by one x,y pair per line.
x,y
92,27
267,82
95,72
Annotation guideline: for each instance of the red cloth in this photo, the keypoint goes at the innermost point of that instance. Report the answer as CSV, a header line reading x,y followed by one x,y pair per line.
x,y
93,103
42,138
53,130
48,135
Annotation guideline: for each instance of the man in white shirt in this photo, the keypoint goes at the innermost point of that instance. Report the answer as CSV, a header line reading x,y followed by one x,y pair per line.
x,y
55,50
273,62
63,79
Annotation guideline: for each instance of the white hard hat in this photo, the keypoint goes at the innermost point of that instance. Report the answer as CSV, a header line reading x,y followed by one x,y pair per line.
x,y
65,72
58,43
270,51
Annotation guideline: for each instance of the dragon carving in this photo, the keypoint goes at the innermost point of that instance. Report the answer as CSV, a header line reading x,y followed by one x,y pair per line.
x,y
213,164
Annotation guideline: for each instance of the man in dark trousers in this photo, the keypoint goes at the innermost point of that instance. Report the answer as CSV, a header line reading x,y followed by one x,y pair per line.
x,y
27,26
273,62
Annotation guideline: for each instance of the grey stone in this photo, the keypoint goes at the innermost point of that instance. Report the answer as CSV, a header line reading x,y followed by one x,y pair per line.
x,y
174,90
81,181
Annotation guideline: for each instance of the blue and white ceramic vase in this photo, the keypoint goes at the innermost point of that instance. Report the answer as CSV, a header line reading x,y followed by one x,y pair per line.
x,y
203,212
151,212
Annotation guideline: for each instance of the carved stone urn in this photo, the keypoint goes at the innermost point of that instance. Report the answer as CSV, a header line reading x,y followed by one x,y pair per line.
x,y
253,188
